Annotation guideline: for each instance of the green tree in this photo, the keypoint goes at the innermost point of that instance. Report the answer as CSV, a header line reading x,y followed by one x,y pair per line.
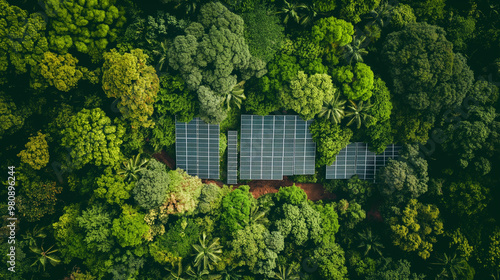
x,y
306,94
466,199
426,83
11,118
358,189
355,51
127,78
380,135
417,228
130,228
401,15
331,261
333,110
493,252
287,272
381,101
263,32
96,222
183,192
292,195
60,71
36,154
359,114
130,169
69,236
236,209
351,10
87,26
400,270
210,198
350,213
292,10
428,10
460,31
151,189
174,99
299,223
370,242
201,56
329,139
92,138
452,267
329,220
355,82
22,40
332,34
207,253
113,187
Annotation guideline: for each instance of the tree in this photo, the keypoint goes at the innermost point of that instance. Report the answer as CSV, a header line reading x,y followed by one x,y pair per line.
x,y
130,169
406,177
306,94
211,55
329,220
355,82
22,40
351,10
163,134
355,51
370,242
236,209
235,97
174,99
113,187
329,139
292,195
207,253
331,261
130,228
333,110
210,198
402,15
183,192
292,11
287,272
299,223
427,83
380,135
96,222
466,199
381,101
263,32
332,33
360,114
127,78
151,189
350,212
87,26
36,154
358,189
399,270
452,267
92,139
69,236
460,31
417,228
11,118
60,71
428,10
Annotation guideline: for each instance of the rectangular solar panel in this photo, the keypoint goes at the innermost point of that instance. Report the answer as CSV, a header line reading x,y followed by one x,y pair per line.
x,y
232,157
274,146
197,148
356,159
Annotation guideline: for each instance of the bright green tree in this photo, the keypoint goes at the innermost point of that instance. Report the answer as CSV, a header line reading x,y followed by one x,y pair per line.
x,y
401,15
60,71
36,153
351,10
306,94
417,228
92,139
112,187
96,224
355,83
331,261
330,139
292,195
174,99
299,223
127,78
332,34
87,26
130,228
236,209
428,10
69,236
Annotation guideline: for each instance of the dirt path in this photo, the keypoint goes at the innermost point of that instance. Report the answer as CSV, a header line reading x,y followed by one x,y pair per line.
x,y
260,187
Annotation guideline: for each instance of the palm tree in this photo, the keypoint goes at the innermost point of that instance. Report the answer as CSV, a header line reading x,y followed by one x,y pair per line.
x,y
132,167
287,273
231,273
292,10
359,114
370,242
207,253
236,96
256,216
380,14
451,268
45,256
309,15
161,54
333,110
176,271
199,274
355,51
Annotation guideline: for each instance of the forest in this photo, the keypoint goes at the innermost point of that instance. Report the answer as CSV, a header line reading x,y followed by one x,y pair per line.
x,y
91,90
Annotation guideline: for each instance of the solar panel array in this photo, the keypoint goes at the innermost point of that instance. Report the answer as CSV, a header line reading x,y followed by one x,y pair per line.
x,y
232,157
275,146
197,148
355,158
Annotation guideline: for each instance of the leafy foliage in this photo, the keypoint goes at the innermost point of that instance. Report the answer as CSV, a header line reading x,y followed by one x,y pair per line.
x,y
151,189
292,195
36,154
330,139
355,83
113,187
236,208
130,228
96,223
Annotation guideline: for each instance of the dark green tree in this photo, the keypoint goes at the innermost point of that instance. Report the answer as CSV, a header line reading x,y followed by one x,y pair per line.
x,y
151,189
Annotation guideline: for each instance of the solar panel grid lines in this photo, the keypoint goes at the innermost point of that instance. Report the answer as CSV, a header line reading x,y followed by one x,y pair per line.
x,y
232,157
355,158
279,145
197,148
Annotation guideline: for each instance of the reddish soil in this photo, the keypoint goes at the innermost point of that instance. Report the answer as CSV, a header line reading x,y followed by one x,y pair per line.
x,y
163,157
261,187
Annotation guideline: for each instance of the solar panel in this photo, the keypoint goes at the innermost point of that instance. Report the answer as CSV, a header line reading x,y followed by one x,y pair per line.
x,y
274,146
232,157
355,158
197,148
